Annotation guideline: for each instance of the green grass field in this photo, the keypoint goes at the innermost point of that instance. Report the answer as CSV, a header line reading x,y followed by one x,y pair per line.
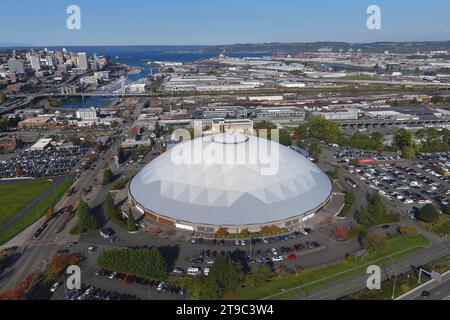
x,y
15,197
38,211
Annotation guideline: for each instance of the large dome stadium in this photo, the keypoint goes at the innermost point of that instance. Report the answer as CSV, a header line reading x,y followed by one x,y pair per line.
x,y
230,181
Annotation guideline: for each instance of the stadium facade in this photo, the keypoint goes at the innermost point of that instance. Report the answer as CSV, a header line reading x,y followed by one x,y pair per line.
x,y
230,181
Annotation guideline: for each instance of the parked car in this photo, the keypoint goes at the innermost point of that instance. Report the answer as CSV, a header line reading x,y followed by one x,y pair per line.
x,y
55,287
292,257
178,270
277,258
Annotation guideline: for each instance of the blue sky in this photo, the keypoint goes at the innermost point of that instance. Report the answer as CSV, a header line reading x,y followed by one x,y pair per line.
x,y
178,22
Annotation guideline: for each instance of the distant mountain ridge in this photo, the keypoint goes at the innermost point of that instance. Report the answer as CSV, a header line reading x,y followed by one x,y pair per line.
x,y
375,47
289,48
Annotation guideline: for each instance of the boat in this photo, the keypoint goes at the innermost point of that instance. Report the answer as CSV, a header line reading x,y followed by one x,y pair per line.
x,y
123,58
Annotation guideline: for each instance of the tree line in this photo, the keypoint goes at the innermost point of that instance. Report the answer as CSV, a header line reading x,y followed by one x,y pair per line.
x,y
227,276
319,129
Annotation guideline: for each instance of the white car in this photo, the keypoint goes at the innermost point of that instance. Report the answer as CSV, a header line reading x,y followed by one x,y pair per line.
x,y
265,241
89,291
278,258
54,287
161,286
237,242
112,275
274,251
206,271
242,243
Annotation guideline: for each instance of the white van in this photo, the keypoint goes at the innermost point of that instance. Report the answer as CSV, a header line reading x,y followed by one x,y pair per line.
x,y
194,271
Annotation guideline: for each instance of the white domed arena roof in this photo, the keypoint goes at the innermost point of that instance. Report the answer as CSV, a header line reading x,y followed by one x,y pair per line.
x,y
217,180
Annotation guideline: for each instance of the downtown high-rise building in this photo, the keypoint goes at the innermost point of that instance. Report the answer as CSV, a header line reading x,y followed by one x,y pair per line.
x,y
82,61
35,63
16,66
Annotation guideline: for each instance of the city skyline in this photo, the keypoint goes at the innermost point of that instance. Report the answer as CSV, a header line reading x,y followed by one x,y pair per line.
x,y
198,23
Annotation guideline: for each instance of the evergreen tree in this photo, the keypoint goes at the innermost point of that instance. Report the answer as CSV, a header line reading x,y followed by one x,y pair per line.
x,y
225,276
86,221
131,225
108,177
260,275
429,213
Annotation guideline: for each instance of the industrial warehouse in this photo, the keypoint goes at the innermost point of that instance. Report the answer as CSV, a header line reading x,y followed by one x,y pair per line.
x,y
204,196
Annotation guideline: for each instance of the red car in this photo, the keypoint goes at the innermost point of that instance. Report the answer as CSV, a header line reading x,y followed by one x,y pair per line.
x,y
292,257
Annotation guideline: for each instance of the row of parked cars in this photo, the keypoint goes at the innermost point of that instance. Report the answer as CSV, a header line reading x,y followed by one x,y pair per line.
x,y
345,155
93,293
44,163
207,257
403,183
253,241
158,285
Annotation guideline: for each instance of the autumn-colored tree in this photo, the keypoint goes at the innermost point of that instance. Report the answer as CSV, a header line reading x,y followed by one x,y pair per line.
x,y
270,230
296,135
19,171
13,294
58,264
222,232
49,214
19,293
245,233
340,233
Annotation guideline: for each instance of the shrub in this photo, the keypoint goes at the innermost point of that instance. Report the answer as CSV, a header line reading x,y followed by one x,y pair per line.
x,y
407,230
428,214
404,287
375,240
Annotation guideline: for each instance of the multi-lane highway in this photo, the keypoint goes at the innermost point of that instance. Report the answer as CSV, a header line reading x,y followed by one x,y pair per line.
x,y
358,282
431,290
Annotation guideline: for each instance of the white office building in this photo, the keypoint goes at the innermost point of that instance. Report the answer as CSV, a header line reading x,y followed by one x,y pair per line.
x,y
345,114
87,114
82,61
35,62
16,66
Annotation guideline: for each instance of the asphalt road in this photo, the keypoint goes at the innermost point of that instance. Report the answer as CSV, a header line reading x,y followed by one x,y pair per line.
x,y
439,290
357,282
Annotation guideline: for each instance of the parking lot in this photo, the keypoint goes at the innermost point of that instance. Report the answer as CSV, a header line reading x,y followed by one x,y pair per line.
x,y
46,163
108,285
345,155
285,249
408,184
